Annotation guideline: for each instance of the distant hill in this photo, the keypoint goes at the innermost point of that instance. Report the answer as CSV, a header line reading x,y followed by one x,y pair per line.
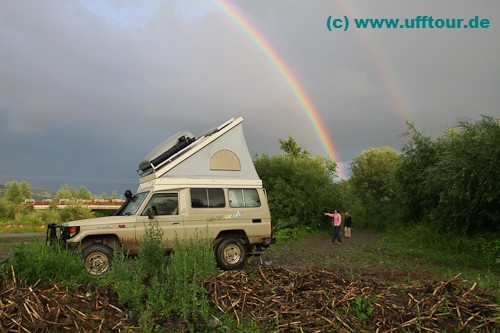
x,y
41,193
38,193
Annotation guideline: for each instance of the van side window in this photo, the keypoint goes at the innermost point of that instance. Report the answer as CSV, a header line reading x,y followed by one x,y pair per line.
x,y
163,204
207,198
243,197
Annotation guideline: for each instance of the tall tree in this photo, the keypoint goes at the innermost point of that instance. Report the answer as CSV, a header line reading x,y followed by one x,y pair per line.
x,y
419,156
467,177
453,181
84,193
291,147
17,192
372,182
300,187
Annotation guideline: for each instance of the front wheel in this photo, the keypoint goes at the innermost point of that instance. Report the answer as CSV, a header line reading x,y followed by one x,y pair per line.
x,y
97,259
231,254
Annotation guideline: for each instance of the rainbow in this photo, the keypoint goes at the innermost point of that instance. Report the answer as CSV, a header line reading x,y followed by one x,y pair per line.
x,y
381,66
289,77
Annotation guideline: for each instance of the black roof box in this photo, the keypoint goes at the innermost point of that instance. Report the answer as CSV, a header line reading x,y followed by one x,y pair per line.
x,y
163,151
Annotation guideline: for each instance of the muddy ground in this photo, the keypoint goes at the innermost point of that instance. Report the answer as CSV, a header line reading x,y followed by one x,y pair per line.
x,y
356,257
307,286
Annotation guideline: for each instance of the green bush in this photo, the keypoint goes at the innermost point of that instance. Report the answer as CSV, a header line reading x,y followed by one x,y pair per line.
x,y
126,280
6,209
153,286
75,212
452,181
190,262
300,187
291,235
32,218
38,261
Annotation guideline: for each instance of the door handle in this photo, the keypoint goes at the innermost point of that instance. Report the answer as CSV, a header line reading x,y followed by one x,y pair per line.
x,y
175,223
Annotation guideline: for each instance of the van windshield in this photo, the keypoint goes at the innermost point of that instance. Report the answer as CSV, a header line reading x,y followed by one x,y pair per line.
x,y
133,204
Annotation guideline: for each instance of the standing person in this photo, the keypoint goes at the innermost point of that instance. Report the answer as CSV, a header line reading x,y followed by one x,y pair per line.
x,y
337,221
347,225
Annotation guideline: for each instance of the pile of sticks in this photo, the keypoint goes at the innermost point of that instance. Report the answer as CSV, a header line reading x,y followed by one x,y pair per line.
x,y
316,300
26,308
313,300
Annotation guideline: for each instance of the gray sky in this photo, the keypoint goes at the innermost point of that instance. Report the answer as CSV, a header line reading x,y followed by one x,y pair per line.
x,y
88,88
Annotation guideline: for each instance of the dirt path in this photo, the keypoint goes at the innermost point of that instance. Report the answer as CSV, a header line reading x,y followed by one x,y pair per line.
x,y
317,250
356,257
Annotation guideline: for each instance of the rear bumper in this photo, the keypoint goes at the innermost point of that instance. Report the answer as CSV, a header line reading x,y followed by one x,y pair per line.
x,y
268,241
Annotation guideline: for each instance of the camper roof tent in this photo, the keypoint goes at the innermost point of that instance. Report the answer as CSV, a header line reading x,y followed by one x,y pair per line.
x,y
219,153
164,151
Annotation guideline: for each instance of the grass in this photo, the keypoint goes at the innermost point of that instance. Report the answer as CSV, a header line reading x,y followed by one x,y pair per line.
x,y
476,258
154,286
36,262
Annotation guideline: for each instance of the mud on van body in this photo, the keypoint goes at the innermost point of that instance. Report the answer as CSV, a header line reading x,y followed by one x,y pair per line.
x,y
189,187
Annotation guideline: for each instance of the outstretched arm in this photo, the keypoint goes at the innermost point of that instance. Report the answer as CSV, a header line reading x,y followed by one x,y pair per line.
x,y
329,214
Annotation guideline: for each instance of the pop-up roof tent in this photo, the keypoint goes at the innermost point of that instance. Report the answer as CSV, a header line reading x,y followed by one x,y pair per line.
x,y
219,153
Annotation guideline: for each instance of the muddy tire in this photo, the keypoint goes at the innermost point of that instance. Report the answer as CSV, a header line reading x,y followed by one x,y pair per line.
x,y
97,259
230,254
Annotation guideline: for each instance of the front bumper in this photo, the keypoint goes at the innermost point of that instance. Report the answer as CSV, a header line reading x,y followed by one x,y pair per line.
x,y
59,237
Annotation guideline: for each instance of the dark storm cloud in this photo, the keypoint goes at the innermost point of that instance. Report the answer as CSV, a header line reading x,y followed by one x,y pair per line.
x,y
87,88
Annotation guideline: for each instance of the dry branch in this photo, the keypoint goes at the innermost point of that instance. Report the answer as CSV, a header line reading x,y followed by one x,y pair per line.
x,y
316,300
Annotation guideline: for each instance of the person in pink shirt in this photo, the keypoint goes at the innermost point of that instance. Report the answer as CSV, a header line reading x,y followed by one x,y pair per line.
x,y
337,221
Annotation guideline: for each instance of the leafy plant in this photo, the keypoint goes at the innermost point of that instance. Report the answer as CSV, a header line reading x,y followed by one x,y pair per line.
x,y
452,182
362,307
153,286
37,261
291,235
300,187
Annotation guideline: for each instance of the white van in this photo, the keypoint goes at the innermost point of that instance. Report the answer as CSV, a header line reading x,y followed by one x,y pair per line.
x,y
187,185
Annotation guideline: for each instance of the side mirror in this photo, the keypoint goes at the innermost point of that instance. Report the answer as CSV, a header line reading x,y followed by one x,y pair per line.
x,y
128,194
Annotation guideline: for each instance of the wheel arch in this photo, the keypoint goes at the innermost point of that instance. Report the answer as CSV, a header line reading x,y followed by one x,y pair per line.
x,y
110,240
237,233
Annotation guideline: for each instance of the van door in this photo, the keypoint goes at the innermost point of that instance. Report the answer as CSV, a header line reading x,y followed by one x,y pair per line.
x,y
163,208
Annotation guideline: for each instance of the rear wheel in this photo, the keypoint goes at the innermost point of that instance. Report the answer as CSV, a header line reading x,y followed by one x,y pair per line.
x,y
231,254
97,259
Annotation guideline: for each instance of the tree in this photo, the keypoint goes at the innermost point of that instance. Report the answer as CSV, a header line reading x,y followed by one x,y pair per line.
x,y
452,181
371,172
373,184
70,192
84,193
17,192
65,192
291,147
466,177
300,187
419,155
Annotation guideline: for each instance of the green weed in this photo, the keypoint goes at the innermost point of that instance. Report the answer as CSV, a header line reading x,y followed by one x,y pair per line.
x,y
152,286
362,307
291,235
36,261
476,258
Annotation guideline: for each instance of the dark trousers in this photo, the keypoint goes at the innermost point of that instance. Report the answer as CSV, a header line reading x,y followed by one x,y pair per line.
x,y
336,234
